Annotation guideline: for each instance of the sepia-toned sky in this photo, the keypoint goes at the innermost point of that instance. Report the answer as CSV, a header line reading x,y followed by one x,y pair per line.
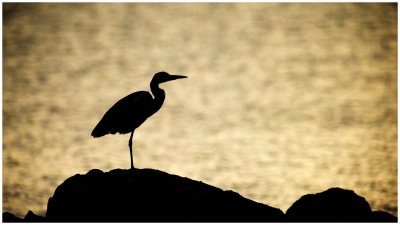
x,y
282,99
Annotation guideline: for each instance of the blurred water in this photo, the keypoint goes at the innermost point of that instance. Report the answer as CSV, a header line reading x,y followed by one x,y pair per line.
x,y
282,99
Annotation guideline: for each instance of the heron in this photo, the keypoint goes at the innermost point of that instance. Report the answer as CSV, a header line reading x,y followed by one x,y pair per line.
x,y
131,111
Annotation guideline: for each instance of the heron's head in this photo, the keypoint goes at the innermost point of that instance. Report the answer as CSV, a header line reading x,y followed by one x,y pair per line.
x,y
162,77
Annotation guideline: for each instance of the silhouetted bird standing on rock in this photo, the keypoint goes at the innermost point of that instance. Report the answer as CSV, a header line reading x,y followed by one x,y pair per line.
x,y
130,112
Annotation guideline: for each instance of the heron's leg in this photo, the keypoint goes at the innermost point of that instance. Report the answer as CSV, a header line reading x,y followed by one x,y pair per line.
x,y
130,148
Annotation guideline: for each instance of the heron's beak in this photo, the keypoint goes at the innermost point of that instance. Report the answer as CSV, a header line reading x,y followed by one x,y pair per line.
x,y
174,77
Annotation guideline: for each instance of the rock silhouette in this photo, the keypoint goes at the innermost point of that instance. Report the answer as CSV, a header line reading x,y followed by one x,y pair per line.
x,y
380,216
335,205
9,217
148,195
32,217
29,217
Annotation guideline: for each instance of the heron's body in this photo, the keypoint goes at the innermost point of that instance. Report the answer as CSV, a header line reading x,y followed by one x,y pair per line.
x,y
126,115
131,111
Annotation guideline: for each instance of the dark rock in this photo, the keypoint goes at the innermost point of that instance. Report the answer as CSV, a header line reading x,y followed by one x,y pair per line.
x,y
9,217
332,205
29,217
32,217
147,195
380,216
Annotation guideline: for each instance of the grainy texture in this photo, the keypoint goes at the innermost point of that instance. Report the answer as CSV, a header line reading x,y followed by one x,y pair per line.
x,y
281,99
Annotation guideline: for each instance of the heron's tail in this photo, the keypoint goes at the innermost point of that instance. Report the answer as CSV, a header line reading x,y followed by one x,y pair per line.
x,y
100,130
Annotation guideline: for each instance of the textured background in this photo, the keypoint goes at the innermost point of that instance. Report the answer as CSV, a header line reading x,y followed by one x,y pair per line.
x,y
282,99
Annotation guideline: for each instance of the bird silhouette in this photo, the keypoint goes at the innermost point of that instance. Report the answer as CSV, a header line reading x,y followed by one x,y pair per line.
x,y
131,111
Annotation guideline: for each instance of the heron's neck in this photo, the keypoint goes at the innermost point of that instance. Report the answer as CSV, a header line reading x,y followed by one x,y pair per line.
x,y
158,93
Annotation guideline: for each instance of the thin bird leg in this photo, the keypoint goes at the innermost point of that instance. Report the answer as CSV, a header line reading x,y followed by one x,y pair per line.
x,y
130,148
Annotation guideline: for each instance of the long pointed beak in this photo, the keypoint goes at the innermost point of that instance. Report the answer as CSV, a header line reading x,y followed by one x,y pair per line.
x,y
174,77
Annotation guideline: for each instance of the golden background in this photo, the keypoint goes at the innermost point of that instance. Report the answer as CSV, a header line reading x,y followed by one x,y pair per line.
x,y
282,100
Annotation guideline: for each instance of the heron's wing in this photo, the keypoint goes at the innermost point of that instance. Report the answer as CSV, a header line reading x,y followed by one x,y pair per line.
x,y
125,115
